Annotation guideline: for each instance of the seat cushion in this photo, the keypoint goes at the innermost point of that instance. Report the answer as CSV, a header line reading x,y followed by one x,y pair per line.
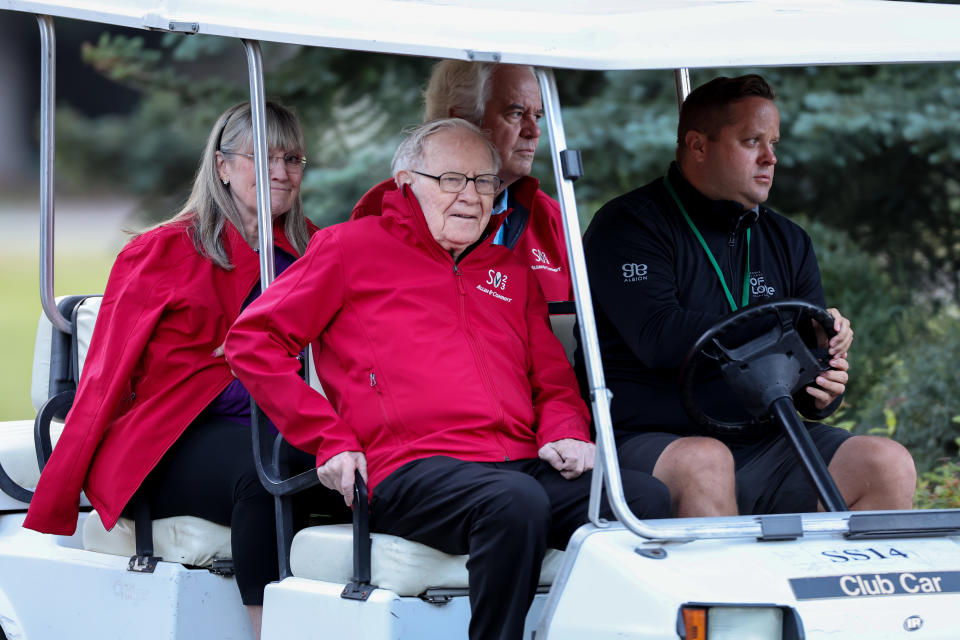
x,y
18,453
404,567
183,539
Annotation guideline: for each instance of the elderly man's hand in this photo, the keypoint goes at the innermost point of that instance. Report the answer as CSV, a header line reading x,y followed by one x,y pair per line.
x,y
839,344
832,383
569,456
337,473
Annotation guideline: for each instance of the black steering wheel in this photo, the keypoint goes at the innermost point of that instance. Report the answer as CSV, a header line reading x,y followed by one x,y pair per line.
x,y
773,365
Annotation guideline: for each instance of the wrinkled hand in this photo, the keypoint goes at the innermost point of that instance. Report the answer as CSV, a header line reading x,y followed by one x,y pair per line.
x,y
839,344
832,383
569,456
337,473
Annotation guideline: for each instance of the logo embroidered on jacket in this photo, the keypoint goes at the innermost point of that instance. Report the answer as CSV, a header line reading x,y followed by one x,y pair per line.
x,y
496,280
543,260
633,272
759,287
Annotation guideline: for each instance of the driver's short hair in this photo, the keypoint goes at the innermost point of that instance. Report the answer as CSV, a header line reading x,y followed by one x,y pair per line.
x,y
706,109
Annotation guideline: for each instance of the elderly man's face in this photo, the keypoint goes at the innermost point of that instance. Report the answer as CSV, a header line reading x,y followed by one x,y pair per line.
x,y
456,220
511,115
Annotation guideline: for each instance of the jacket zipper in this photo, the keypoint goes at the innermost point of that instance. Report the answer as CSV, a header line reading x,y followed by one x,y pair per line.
x,y
732,245
484,374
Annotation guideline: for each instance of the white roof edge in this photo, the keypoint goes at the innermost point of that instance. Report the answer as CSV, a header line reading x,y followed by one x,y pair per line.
x,y
582,34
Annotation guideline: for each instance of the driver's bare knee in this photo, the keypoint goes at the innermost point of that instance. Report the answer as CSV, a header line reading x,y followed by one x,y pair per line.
x,y
695,462
874,473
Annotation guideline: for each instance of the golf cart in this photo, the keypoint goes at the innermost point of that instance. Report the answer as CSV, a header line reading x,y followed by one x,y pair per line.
x,y
831,574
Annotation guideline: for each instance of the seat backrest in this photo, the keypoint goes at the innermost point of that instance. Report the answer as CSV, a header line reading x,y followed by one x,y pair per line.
x,y
563,321
58,357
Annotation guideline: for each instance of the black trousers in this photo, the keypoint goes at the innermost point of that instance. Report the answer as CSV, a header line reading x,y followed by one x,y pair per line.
x,y
504,515
209,473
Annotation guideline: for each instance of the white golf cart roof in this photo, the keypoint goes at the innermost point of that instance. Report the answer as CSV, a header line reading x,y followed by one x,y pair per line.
x,y
581,34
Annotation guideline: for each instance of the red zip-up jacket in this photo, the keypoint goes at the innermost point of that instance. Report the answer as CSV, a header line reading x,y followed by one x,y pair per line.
x,y
419,356
149,372
537,241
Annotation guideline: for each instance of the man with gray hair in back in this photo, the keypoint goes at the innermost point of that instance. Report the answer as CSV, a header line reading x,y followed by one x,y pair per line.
x,y
503,100
447,390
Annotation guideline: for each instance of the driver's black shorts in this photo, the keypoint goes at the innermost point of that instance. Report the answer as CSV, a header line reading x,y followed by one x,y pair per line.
x,y
769,477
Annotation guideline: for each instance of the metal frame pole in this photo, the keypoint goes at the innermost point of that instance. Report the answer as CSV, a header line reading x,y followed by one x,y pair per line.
x,y
682,79
607,466
262,162
48,76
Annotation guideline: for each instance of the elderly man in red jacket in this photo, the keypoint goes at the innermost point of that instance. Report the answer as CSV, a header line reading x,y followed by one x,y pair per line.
x,y
447,389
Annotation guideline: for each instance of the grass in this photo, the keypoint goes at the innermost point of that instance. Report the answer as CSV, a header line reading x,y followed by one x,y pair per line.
x,y
76,272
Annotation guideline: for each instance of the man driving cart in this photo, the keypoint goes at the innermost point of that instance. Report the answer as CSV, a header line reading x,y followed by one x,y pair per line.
x,y
669,260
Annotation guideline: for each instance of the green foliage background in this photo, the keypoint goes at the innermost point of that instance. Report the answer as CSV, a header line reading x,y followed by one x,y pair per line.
x,y
869,161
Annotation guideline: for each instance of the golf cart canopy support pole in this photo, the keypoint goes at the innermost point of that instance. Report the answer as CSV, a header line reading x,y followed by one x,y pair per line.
x,y
48,76
682,79
258,111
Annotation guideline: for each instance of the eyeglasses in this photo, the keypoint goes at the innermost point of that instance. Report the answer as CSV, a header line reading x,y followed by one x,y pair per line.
x,y
292,161
486,184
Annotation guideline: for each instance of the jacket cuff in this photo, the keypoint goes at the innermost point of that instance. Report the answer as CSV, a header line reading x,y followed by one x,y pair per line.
x,y
325,453
574,428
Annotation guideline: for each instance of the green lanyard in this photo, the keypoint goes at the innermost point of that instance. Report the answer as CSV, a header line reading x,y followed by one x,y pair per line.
x,y
713,261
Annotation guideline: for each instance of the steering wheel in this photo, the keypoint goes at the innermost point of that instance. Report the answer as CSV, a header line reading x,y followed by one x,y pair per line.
x,y
770,366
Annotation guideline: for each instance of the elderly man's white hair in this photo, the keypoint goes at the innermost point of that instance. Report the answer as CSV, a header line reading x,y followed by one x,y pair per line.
x,y
409,155
460,88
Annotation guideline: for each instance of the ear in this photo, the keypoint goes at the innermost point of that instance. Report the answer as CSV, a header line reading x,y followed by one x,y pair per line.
x,y
222,167
403,177
696,144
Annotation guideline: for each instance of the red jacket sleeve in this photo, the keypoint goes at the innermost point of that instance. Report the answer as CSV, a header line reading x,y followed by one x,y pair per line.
x,y
559,409
133,303
263,344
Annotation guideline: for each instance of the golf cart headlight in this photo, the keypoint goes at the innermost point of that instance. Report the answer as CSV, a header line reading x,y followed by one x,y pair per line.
x,y
731,623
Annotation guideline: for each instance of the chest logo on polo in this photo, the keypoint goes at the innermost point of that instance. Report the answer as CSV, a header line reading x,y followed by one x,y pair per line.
x,y
759,287
541,261
495,280
633,272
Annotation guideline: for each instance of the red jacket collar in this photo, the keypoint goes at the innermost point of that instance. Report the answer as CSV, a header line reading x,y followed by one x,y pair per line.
x,y
524,190
403,217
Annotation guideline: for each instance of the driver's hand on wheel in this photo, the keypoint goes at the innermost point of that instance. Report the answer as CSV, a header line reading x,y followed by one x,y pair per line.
x,y
830,383
337,473
569,456
839,344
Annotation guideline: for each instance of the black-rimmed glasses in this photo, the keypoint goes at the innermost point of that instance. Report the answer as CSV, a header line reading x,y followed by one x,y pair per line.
x,y
486,184
292,161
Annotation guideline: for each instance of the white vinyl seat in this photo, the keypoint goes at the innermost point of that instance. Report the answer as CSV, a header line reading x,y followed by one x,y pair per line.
x,y
18,454
404,567
184,539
